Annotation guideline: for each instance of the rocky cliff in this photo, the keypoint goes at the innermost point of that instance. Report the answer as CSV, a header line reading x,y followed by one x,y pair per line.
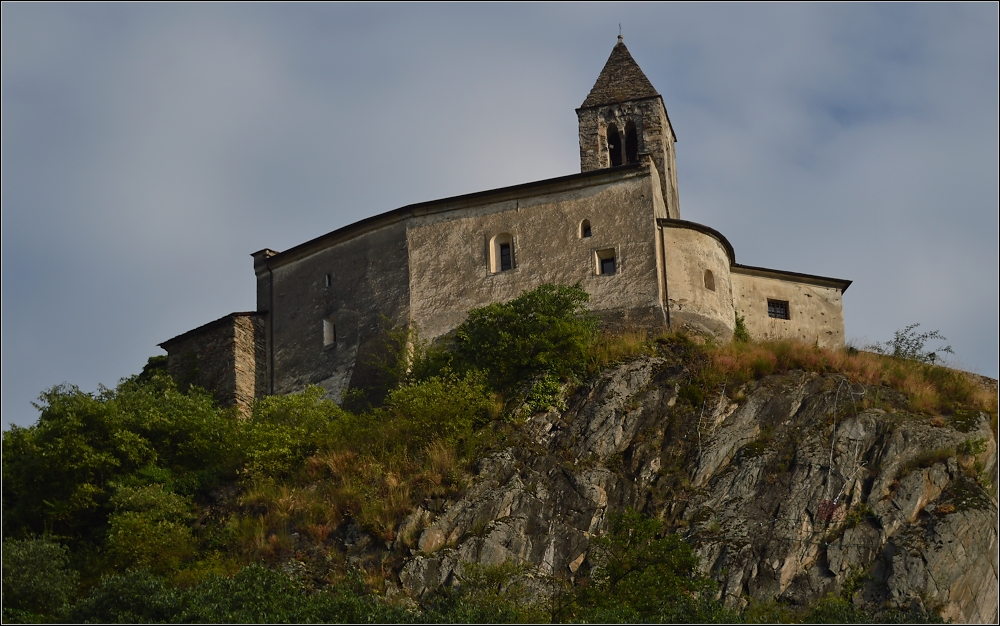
x,y
790,488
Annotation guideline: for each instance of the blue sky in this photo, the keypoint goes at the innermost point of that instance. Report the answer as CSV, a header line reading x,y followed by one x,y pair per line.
x,y
148,149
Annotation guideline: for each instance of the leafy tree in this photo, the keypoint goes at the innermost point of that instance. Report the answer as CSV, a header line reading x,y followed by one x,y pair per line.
x,y
446,408
135,597
544,331
487,594
58,474
149,528
37,581
283,430
641,575
254,595
909,344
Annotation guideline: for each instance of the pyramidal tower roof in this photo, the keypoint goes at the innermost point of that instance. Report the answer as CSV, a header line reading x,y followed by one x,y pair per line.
x,y
620,80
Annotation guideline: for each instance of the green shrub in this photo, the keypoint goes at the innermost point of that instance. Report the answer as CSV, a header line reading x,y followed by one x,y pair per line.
x,y
642,575
496,594
37,581
973,446
57,474
254,595
544,393
136,597
909,344
283,430
149,529
546,330
740,332
833,610
446,408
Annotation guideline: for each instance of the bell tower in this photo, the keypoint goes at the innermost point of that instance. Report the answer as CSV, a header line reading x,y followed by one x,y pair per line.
x,y
622,118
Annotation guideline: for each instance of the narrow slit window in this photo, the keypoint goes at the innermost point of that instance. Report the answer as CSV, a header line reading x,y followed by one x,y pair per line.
x,y
606,262
329,332
709,280
328,280
778,309
585,228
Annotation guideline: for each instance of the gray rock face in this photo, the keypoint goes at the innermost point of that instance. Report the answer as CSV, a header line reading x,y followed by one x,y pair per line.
x,y
790,492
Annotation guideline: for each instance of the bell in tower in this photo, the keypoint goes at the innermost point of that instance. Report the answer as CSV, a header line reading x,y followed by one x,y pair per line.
x,y
623,118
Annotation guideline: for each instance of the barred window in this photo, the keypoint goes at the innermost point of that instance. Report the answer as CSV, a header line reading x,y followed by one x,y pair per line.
x,y
777,309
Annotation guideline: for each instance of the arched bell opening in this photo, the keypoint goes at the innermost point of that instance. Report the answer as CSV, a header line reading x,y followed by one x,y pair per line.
x,y
631,143
614,145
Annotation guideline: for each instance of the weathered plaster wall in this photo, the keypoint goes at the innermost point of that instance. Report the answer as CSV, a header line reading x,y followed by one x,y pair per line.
x,y
449,252
689,253
225,357
656,138
816,311
368,292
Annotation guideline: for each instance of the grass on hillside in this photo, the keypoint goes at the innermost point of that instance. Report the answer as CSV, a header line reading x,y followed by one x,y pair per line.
x,y
929,389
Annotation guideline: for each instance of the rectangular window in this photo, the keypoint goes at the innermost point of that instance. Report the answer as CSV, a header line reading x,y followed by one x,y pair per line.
x,y
505,261
778,309
606,265
329,333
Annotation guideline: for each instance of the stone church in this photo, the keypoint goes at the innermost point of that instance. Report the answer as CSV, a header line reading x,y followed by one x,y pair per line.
x,y
615,228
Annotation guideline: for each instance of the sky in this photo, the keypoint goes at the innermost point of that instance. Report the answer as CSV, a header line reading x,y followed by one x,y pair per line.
x,y
148,149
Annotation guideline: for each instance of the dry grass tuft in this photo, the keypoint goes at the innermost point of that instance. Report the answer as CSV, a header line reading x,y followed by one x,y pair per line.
x,y
339,484
930,389
614,347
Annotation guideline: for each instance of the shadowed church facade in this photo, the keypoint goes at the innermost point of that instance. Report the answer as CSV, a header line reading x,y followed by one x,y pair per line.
x,y
323,306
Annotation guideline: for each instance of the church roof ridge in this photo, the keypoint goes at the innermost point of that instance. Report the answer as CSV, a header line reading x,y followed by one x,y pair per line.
x,y
451,203
620,80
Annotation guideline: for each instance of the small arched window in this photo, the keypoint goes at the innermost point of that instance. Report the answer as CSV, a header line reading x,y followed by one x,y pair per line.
x,y
631,143
585,228
502,253
709,280
614,145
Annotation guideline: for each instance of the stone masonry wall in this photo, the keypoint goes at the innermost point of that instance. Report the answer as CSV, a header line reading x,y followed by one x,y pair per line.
x,y
654,135
367,292
224,357
248,360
